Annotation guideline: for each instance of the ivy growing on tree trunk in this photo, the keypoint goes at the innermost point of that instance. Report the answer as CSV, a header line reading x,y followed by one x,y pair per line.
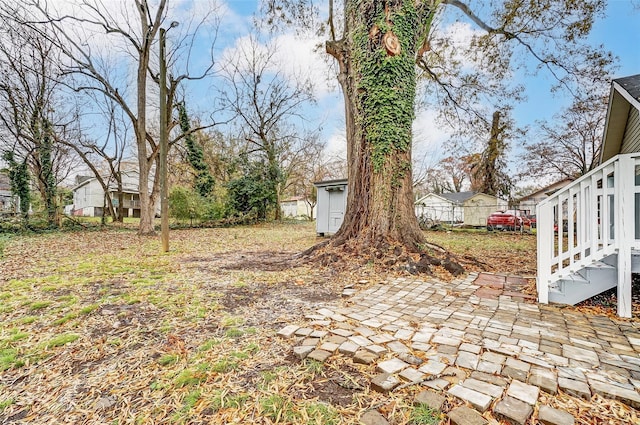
x,y
378,79
19,178
48,179
204,181
384,46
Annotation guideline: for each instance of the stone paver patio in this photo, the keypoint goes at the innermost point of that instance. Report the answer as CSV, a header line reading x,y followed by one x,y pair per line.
x,y
496,350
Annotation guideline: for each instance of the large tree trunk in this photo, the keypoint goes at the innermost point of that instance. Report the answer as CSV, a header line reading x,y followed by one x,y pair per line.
x,y
147,209
378,79
146,226
118,215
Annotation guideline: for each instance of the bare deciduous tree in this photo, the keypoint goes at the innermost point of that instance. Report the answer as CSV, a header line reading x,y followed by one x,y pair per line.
x,y
32,110
268,107
104,156
570,145
489,171
128,30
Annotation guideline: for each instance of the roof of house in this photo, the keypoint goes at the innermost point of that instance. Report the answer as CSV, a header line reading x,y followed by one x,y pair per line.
x,y
111,185
549,189
625,94
631,85
458,197
295,199
453,197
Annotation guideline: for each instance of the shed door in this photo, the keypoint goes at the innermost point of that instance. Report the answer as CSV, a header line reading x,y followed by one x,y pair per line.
x,y
336,210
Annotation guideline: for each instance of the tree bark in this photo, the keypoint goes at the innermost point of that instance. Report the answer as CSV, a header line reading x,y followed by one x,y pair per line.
x,y
378,78
146,219
147,200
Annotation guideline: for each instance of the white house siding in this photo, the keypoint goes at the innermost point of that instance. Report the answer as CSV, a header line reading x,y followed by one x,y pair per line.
x,y
440,210
88,196
296,208
6,201
528,203
289,208
631,139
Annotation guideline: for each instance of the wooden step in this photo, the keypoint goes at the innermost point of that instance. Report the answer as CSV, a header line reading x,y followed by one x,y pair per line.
x,y
600,265
585,284
575,278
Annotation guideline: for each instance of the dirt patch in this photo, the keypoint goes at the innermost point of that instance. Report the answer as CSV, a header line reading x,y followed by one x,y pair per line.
x,y
271,304
280,293
16,417
267,261
339,386
117,318
335,386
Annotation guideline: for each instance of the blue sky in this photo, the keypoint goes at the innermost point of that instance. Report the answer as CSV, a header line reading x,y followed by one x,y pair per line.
x,y
618,32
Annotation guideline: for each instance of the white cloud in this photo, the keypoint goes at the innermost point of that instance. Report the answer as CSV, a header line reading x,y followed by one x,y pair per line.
x,y
460,33
429,136
294,58
429,139
336,146
457,37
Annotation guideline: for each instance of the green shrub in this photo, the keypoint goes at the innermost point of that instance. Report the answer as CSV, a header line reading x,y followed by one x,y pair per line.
x,y
185,204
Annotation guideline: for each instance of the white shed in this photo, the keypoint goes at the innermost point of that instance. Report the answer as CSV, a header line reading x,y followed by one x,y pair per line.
x,y
298,207
478,207
332,203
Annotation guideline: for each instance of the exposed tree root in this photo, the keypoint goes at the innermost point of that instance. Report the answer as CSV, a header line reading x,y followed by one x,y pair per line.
x,y
384,256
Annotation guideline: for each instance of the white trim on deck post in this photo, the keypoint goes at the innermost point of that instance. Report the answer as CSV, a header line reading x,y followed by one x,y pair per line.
x,y
596,222
560,221
583,225
571,231
544,214
605,215
624,209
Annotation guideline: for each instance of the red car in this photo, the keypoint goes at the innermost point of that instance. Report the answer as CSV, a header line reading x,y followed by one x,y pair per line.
x,y
533,220
508,220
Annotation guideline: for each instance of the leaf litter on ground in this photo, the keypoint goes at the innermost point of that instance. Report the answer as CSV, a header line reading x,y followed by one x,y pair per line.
x,y
128,334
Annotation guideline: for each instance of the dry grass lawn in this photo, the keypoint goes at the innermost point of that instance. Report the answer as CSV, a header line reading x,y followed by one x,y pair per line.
x,y
99,327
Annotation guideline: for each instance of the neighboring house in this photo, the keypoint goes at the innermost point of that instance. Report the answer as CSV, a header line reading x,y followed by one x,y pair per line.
x,y
7,200
440,208
469,208
528,203
297,207
599,248
89,197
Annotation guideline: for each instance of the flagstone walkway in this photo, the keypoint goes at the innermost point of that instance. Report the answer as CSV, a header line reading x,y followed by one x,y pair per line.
x,y
479,340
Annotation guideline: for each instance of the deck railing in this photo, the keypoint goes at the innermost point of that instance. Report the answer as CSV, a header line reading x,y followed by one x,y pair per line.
x,y
591,218
131,203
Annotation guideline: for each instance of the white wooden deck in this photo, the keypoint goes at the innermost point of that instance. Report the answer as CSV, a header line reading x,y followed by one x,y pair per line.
x,y
598,233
